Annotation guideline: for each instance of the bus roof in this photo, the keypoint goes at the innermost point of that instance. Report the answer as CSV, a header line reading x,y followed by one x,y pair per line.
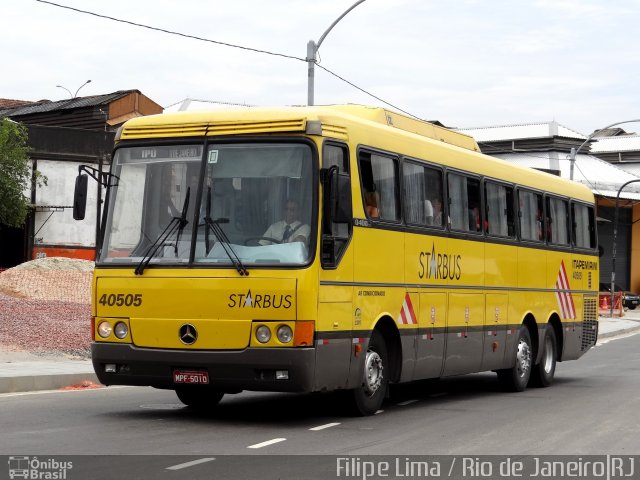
x,y
371,126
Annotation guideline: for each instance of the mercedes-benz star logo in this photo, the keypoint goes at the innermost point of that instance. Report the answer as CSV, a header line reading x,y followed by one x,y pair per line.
x,y
188,334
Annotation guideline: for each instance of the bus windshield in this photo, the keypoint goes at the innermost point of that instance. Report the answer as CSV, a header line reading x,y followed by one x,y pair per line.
x,y
253,205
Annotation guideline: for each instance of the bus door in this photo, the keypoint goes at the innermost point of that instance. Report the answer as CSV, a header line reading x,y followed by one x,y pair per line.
x,y
336,316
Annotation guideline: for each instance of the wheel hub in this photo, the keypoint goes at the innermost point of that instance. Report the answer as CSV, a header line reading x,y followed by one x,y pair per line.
x,y
547,361
523,358
372,372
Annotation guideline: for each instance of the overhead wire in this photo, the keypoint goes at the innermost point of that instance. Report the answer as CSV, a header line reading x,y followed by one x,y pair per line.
x,y
202,39
277,54
171,32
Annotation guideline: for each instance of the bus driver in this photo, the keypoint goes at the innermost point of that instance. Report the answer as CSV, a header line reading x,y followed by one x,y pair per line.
x,y
288,230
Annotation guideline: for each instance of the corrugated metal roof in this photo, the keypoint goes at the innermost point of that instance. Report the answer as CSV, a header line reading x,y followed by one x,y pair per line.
x,y
521,131
72,103
626,143
601,177
632,168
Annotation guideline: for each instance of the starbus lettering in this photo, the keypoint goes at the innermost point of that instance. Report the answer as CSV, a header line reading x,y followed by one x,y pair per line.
x,y
438,266
259,300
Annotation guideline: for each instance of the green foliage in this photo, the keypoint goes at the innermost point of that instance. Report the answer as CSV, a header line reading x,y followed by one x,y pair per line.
x,y
15,173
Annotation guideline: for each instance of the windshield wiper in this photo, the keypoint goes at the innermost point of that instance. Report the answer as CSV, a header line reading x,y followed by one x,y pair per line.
x,y
215,227
176,224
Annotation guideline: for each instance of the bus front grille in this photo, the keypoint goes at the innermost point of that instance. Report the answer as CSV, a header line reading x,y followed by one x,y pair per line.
x,y
590,323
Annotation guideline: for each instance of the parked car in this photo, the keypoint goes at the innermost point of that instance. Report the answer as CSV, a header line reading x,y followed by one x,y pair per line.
x,y
629,300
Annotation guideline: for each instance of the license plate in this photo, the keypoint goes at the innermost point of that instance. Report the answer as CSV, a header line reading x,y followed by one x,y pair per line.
x,y
199,377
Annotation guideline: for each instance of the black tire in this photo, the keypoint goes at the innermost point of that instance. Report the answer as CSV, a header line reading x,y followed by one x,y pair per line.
x,y
199,398
515,379
542,373
368,397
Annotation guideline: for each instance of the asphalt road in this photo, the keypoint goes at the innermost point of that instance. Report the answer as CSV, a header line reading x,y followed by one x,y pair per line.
x,y
592,408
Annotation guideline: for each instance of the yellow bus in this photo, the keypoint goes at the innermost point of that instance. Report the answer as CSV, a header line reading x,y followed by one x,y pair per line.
x,y
345,247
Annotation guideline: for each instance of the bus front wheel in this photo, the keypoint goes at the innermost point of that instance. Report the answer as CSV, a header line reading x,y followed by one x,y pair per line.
x,y
515,379
368,397
199,398
542,374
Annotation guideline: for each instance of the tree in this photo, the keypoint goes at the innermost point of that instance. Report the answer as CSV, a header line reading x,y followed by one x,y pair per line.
x,y
15,173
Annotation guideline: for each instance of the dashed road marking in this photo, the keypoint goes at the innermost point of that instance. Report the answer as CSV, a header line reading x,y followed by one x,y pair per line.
x,y
180,466
322,427
267,443
379,412
407,402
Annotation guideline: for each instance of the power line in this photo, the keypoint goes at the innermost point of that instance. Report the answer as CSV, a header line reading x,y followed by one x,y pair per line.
x,y
364,91
202,39
171,32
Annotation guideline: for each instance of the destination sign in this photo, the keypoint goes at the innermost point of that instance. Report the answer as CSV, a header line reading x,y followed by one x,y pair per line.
x,y
161,154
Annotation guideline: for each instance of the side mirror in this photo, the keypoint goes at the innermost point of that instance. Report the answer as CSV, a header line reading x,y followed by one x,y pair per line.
x,y
340,198
80,197
600,251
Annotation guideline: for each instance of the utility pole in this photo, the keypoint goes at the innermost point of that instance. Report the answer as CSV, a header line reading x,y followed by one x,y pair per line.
x,y
312,51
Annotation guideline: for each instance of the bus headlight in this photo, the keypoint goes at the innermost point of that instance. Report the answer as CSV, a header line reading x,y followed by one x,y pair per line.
x,y
285,334
104,329
121,330
263,334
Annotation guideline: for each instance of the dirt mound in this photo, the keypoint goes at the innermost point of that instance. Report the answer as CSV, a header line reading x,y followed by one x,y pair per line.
x,y
52,278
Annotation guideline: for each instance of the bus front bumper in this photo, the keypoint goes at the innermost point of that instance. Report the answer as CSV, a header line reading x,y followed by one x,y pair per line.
x,y
248,369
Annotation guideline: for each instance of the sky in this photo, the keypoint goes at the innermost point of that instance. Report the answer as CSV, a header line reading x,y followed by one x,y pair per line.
x,y
466,63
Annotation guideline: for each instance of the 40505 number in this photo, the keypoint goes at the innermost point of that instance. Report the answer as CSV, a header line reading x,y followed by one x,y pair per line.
x,y
121,300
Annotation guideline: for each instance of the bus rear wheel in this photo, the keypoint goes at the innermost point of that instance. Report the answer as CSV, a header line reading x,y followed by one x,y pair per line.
x,y
199,398
368,397
515,379
542,374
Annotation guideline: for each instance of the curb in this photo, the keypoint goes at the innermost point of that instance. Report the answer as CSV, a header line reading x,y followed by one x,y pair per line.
x,y
29,383
618,332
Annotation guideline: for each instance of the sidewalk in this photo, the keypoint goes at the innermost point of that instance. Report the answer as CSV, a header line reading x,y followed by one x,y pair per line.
x,y
23,372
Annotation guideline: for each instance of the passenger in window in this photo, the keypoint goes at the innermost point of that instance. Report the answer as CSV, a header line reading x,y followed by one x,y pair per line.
x,y
288,230
436,202
372,202
428,212
474,218
539,229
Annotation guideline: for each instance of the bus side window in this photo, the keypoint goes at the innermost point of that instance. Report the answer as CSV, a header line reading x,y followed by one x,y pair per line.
x,y
583,226
531,215
422,194
335,236
499,210
379,177
558,216
464,203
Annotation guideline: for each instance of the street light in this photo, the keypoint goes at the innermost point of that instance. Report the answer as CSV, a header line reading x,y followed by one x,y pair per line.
x,y
615,235
312,50
574,153
76,95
